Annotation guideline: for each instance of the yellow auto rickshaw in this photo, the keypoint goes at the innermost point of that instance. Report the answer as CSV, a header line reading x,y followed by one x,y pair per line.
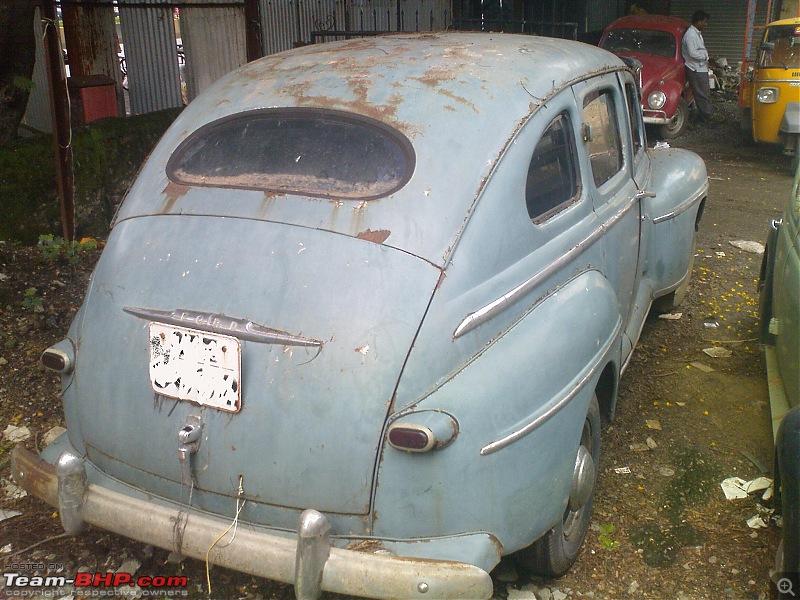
x,y
770,90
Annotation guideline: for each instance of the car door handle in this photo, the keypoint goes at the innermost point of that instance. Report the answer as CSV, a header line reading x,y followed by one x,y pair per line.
x,y
645,194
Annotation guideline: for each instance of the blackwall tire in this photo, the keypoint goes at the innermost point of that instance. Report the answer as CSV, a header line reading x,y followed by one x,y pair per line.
x,y
555,552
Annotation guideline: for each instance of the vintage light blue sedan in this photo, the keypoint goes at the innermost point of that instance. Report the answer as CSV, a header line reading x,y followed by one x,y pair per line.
x,y
370,300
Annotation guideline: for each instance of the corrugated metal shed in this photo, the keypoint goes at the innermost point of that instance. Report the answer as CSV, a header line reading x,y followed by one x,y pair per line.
x,y
151,55
214,42
286,23
725,34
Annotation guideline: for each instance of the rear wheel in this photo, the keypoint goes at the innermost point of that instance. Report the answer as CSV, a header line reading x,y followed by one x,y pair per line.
x,y
677,124
556,551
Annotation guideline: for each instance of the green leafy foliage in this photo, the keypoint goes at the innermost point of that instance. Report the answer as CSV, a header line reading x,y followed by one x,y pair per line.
x,y
53,248
606,541
31,300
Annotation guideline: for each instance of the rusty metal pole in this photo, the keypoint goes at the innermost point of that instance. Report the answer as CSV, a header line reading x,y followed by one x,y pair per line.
x,y
252,19
59,109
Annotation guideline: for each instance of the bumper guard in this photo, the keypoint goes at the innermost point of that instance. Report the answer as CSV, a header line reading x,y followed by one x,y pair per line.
x,y
308,561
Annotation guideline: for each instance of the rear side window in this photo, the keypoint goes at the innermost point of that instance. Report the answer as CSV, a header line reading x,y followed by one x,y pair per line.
x,y
311,152
553,181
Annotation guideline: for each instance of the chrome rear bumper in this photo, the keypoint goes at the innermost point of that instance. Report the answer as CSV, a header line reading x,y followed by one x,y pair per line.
x,y
312,565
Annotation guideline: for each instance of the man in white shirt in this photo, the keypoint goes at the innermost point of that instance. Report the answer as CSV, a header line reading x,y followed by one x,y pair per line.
x,y
695,56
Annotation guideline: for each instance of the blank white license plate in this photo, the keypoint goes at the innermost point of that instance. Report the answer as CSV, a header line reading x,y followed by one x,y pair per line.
x,y
196,366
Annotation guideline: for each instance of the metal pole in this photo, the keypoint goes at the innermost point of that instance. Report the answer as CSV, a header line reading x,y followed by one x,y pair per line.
x,y
59,109
252,17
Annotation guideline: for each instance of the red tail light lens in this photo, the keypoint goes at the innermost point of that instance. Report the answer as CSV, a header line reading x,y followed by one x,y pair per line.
x,y
56,360
411,438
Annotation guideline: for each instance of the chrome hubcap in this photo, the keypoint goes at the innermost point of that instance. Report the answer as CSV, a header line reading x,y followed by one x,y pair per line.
x,y
582,480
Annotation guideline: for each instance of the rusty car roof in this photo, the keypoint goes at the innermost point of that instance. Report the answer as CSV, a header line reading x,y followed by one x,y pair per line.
x,y
458,97
387,77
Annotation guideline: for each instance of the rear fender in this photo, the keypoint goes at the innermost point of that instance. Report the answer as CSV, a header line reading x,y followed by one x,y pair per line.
x,y
520,403
680,184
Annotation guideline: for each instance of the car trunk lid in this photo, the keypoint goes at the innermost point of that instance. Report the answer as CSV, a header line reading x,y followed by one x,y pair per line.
x,y
319,323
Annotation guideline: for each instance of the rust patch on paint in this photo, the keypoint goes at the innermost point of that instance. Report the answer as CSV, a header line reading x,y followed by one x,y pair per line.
x,y
173,192
365,546
459,99
378,237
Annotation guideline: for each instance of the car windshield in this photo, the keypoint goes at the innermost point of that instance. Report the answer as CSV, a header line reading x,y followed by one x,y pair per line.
x,y
646,41
781,48
311,152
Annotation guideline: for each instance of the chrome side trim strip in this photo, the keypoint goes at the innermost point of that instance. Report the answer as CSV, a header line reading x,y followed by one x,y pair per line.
x,y
683,207
480,316
551,410
218,323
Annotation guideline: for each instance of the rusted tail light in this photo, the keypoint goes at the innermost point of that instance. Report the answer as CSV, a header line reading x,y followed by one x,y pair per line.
x,y
59,357
422,431
411,438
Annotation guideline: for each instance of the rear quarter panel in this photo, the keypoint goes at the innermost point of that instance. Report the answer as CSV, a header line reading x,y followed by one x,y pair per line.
x,y
518,492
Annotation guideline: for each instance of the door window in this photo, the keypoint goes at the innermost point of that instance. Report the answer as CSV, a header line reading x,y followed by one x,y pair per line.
x,y
602,137
635,111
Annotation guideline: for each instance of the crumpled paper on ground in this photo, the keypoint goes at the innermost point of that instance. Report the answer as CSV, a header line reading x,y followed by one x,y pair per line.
x,y
735,487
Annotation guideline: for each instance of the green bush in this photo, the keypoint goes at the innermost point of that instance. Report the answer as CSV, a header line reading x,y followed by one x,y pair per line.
x,y
107,155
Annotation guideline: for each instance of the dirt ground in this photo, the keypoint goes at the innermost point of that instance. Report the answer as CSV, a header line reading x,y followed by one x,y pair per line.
x,y
685,421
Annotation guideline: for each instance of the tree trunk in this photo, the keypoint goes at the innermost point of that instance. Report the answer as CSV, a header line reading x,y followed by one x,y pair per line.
x,y
17,57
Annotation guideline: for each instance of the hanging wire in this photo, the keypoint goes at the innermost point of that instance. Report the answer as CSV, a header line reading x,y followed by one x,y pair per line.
x,y
234,525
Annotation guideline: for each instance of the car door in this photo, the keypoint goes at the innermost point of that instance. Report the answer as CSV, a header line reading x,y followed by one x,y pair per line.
x,y
641,171
786,300
607,155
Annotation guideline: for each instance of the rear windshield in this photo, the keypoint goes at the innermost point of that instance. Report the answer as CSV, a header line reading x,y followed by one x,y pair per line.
x,y
311,152
647,41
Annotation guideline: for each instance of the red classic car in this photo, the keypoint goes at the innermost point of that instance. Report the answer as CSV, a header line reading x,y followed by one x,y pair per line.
x,y
655,41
